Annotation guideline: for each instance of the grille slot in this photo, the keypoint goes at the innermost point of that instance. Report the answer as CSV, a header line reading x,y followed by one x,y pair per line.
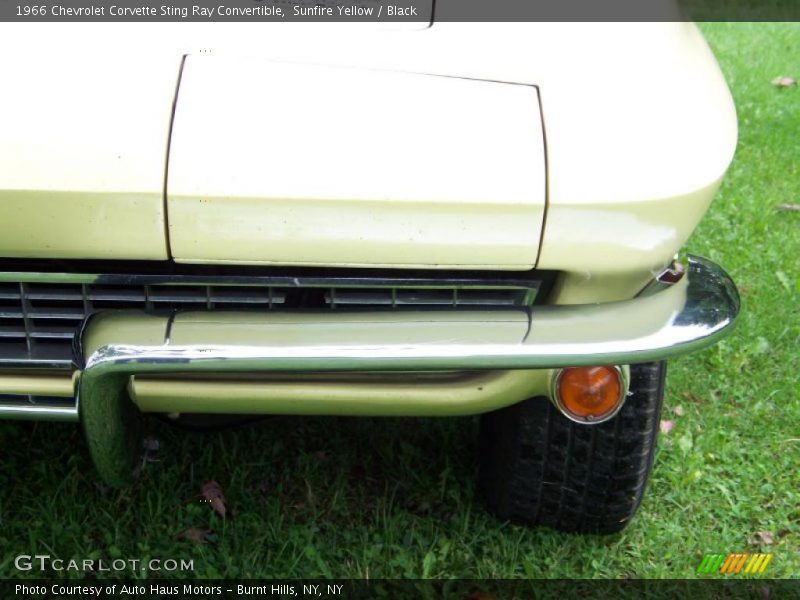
x,y
34,400
39,319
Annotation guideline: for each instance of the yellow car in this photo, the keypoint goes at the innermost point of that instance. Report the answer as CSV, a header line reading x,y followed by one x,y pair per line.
x,y
467,218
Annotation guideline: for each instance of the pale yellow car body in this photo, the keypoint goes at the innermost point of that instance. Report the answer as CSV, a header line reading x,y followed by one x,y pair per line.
x,y
560,147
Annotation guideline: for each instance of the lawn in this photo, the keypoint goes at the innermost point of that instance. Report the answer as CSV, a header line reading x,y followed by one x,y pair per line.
x,y
395,498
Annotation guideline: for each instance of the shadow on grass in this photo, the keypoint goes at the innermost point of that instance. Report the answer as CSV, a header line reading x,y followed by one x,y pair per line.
x,y
306,497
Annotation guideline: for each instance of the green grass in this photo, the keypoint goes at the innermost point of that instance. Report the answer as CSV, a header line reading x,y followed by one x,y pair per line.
x,y
395,498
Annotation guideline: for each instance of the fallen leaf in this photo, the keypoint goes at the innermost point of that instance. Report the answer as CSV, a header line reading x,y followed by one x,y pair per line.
x,y
666,426
678,410
690,396
197,535
760,538
784,82
212,493
788,206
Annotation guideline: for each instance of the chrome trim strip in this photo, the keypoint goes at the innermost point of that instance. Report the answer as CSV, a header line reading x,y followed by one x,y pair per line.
x,y
23,363
39,412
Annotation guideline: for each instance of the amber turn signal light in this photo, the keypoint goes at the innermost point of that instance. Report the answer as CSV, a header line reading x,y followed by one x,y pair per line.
x,y
589,394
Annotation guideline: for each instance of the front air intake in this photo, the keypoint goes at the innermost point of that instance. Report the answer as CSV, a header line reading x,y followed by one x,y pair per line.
x,y
41,312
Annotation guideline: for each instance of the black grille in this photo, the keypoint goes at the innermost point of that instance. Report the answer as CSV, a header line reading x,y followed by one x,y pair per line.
x,y
39,319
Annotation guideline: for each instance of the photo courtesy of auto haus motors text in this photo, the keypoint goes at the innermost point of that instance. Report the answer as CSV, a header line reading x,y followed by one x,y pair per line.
x,y
168,590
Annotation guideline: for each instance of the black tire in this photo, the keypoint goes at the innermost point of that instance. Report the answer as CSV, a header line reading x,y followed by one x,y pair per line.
x,y
540,468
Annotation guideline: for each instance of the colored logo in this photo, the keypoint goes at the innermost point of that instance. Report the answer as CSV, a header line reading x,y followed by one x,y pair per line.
x,y
734,564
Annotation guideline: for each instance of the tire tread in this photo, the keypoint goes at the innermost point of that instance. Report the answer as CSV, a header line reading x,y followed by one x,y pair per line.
x,y
538,467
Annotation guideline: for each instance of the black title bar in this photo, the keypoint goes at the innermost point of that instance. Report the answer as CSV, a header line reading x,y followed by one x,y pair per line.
x,y
408,11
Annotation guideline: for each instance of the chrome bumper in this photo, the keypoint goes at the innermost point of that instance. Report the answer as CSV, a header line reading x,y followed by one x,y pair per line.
x,y
665,320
